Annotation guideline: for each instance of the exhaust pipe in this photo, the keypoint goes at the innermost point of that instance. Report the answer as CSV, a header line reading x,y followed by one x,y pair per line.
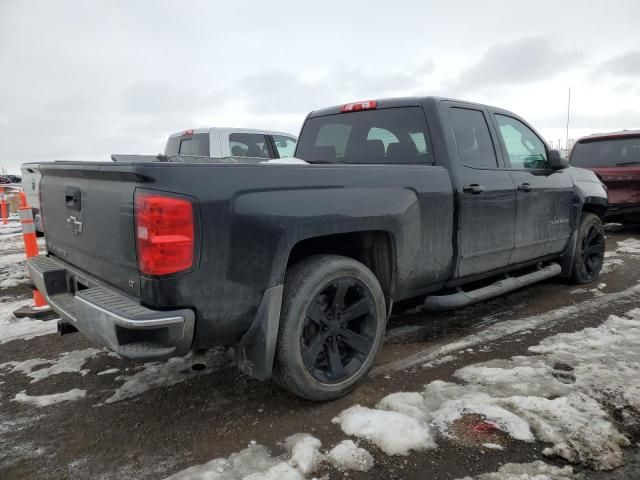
x,y
198,360
65,328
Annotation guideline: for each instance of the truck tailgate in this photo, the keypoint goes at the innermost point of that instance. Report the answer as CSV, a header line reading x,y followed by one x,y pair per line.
x,y
89,219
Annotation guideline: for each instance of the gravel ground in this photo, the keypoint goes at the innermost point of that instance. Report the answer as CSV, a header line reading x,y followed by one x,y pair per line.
x,y
120,430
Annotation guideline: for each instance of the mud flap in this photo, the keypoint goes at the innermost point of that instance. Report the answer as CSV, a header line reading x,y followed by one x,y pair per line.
x,y
566,261
255,353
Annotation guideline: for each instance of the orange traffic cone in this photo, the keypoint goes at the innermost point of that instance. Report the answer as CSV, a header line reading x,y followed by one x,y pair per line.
x,y
3,206
39,307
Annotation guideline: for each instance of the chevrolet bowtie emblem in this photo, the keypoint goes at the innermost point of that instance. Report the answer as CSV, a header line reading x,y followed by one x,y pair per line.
x,y
74,225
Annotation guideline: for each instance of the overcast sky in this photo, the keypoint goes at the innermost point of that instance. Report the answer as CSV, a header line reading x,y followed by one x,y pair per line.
x,y
82,80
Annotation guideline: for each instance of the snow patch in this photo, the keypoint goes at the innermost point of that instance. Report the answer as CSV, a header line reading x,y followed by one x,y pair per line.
x,y
348,456
11,258
442,403
12,328
493,446
165,374
253,463
630,245
577,427
610,264
302,459
505,328
46,400
527,471
563,394
394,432
439,361
305,452
108,372
67,362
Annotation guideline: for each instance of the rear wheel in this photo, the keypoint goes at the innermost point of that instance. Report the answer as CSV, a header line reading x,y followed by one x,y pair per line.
x,y
590,248
331,328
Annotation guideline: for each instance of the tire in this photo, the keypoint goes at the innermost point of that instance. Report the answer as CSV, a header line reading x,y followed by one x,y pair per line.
x,y
332,325
590,247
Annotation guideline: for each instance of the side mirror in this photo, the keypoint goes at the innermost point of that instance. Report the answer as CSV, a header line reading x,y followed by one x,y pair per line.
x,y
557,161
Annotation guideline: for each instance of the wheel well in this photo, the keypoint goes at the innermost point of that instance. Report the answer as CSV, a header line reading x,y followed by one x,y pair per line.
x,y
372,248
599,210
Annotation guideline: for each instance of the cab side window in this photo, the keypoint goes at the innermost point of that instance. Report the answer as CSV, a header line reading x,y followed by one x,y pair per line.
x,y
473,138
525,150
248,145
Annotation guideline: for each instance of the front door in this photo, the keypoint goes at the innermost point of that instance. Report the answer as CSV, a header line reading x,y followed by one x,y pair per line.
x,y
486,195
544,197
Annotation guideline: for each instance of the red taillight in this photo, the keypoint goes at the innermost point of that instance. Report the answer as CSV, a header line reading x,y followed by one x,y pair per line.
x,y
357,106
164,234
187,133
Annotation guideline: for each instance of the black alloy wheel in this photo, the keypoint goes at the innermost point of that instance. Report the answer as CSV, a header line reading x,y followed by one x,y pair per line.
x,y
332,326
338,330
592,251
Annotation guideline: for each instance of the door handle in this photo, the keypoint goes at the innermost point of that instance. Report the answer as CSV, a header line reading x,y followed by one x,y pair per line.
x,y
474,188
524,187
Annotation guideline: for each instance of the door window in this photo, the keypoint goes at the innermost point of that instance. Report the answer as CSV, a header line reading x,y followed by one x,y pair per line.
x,y
524,148
248,145
473,138
286,145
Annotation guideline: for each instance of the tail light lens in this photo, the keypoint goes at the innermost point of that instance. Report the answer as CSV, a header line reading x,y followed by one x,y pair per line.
x,y
164,233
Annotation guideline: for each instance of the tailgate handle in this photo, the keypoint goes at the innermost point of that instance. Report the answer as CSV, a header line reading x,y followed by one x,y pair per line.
x,y
72,198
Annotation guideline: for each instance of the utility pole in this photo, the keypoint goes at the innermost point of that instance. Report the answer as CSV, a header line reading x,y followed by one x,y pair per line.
x,y
568,113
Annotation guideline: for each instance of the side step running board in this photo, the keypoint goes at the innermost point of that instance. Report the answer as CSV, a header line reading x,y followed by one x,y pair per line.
x,y
462,299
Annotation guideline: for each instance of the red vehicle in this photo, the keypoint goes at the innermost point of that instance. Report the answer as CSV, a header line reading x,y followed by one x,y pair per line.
x,y
615,159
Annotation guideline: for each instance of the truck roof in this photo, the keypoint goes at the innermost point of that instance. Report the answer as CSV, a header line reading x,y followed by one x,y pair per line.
x,y
610,135
231,130
396,102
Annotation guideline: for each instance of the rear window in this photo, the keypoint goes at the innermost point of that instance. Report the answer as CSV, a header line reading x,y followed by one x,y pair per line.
x,y
392,135
197,144
616,152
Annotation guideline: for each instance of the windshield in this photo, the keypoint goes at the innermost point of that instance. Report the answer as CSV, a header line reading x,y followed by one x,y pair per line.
x,y
392,135
612,152
286,145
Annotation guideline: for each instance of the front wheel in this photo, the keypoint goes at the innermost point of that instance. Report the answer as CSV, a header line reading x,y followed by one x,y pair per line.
x,y
331,327
590,247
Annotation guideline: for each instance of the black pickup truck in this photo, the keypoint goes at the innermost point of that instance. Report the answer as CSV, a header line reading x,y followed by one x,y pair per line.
x,y
297,266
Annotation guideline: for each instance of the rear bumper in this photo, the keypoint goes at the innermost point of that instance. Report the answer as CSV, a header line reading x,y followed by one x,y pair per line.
x,y
110,318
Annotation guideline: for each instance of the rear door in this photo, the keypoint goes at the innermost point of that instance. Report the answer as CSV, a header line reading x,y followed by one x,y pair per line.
x,y
486,194
544,197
